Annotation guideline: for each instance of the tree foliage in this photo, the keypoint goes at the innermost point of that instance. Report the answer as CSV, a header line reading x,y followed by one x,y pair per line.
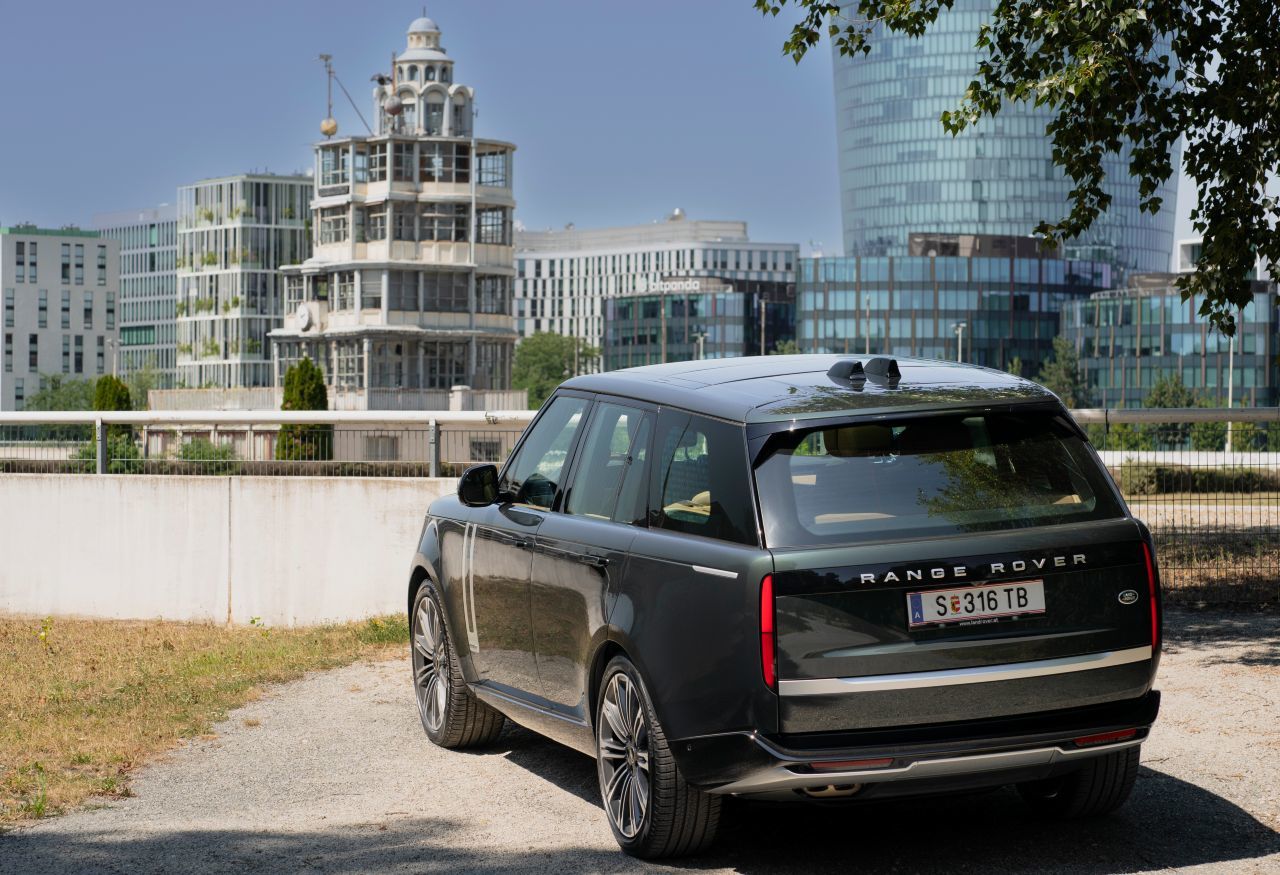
x,y
785,347
59,392
1116,72
1061,375
110,393
304,389
544,360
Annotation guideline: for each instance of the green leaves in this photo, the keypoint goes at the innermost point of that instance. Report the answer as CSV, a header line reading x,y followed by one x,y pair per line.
x,y
1135,74
544,360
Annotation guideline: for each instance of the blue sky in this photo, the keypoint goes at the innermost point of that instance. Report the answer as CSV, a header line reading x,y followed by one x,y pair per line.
x,y
620,111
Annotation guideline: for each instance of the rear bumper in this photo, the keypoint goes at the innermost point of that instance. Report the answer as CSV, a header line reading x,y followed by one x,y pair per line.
x,y
914,759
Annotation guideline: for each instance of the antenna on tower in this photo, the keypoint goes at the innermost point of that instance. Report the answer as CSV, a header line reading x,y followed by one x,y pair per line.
x,y
329,126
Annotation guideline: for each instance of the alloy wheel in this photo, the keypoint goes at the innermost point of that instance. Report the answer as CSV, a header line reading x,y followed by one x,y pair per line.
x,y
430,664
622,741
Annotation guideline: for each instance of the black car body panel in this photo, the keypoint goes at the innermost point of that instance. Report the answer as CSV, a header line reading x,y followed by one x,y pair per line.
x,y
539,596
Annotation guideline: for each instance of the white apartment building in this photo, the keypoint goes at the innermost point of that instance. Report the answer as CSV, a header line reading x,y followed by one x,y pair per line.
x,y
60,292
564,278
409,288
234,234
148,289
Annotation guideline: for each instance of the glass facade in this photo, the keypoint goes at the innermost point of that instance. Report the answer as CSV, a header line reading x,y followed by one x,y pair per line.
x,y
722,322
1127,339
911,305
900,172
148,291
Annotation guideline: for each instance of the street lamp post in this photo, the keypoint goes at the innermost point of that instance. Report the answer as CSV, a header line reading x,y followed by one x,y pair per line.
x,y
959,328
701,339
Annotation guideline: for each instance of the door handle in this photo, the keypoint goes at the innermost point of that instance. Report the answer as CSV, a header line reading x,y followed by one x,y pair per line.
x,y
523,543
596,561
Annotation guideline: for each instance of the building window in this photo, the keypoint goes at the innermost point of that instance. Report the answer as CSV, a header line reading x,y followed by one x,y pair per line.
x,y
66,308
33,353
402,162
102,354
295,291
344,290
371,290
333,225
8,308
493,294
402,290
413,72
42,314
20,259
444,221
66,353
88,310
402,226
446,364
79,363
494,225
111,311
66,263
375,222
378,162
31,262
445,291
79,264
19,394
429,73
333,168
460,119
433,116
493,169
8,353
444,162
350,365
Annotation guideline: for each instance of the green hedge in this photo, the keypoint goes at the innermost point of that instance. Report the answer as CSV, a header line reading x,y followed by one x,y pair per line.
x,y
1140,478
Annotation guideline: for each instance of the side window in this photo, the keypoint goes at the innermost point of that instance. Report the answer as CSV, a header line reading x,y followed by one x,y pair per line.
x,y
613,467
533,477
701,482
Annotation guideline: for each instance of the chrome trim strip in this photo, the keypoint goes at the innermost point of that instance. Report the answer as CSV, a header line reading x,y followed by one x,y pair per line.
x,y
715,572
952,677
783,778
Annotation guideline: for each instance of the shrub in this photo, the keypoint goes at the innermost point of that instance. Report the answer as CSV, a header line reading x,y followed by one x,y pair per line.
x,y
304,389
214,458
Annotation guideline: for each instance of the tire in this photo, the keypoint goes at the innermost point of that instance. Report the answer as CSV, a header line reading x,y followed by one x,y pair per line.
x,y
451,714
1098,787
652,811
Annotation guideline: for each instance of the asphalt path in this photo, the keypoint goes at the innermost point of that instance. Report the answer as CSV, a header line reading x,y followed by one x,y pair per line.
x,y
332,774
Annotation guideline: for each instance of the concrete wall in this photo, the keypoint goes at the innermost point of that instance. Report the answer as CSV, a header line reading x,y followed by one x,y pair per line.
x,y
290,550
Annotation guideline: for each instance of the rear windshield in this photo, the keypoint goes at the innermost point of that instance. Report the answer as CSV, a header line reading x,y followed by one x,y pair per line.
x,y
925,477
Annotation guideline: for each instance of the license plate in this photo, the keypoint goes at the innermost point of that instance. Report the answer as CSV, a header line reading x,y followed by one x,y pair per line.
x,y
987,602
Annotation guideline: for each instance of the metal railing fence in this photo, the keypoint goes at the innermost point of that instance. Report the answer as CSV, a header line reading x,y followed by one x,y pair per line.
x,y
1205,480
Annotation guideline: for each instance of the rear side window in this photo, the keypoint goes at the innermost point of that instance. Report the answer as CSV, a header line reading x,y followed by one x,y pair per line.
x,y
610,476
701,484
926,477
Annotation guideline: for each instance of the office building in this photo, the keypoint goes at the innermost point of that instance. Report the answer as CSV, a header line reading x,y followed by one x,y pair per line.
x,y
60,291
1129,338
148,242
234,234
901,173
409,289
671,290
979,307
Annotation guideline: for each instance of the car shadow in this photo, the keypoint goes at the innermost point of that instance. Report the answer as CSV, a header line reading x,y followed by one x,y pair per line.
x,y
1167,822
1258,633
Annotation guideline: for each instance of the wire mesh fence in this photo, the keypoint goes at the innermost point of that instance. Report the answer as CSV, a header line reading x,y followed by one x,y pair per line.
x,y
1206,481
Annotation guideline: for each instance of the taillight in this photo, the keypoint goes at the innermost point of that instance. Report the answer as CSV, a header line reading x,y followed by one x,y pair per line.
x,y
768,647
1155,597
1105,737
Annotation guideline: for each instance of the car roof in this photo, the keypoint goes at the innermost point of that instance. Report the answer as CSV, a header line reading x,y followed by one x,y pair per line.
x,y
790,387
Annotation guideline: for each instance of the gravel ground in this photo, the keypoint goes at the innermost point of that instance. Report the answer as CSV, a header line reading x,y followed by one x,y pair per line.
x,y
332,774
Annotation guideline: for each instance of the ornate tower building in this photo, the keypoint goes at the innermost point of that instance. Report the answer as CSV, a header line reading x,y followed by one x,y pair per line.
x,y
409,288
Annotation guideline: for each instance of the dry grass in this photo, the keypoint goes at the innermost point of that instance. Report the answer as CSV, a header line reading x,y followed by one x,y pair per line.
x,y
83,701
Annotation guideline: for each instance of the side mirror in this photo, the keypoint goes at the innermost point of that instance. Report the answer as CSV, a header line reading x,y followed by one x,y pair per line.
x,y
478,486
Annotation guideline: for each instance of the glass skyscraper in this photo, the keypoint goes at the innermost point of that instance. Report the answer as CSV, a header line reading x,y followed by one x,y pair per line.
x,y
901,173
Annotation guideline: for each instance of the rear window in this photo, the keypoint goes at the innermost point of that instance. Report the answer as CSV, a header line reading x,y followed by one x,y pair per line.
x,y
925,477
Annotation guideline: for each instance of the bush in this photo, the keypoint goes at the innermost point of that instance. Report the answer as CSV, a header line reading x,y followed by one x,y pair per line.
x,y
123,456
1136,478
214,458
304,389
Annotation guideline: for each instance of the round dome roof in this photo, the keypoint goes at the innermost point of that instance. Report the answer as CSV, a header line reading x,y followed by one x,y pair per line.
x,y
423,25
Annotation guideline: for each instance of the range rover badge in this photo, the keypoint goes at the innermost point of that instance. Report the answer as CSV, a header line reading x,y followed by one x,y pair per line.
x,y
1128,597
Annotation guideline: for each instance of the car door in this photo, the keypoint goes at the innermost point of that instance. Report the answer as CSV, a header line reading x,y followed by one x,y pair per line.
x,y
500,547
584,545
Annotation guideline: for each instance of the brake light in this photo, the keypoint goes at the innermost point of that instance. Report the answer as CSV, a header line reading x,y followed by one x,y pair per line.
x,y
1106,737
1151,589
768,647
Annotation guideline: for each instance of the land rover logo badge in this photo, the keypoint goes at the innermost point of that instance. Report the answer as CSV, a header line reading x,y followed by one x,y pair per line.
x,y
1128,597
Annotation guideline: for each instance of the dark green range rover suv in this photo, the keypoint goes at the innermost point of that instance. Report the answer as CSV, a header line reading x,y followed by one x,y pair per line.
x,y
810,578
